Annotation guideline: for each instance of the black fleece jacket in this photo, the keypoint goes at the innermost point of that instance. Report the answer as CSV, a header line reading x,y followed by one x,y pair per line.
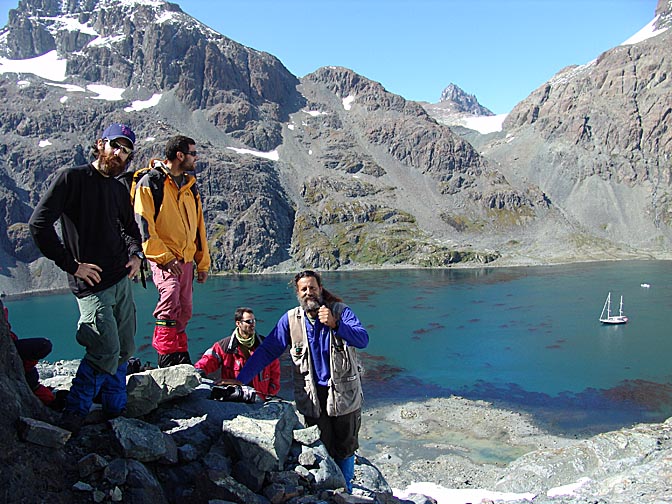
x,y
97,226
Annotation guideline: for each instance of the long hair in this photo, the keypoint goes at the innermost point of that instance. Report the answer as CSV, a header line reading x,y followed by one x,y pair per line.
x,y
327,296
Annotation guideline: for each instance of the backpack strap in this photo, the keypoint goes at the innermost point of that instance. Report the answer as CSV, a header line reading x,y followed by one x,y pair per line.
x,y
155,176
336,310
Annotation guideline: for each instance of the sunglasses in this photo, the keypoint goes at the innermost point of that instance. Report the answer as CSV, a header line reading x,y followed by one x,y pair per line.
x,y
250,321
190,153
116,145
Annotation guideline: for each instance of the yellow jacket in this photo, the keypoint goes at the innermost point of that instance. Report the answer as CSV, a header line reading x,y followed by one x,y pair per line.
x,y
179,229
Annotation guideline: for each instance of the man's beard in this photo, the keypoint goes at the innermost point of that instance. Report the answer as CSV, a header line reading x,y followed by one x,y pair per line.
x,y
247,330
111,165
310,303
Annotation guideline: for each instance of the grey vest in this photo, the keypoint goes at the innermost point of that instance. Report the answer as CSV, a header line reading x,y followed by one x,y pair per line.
x,y
345,386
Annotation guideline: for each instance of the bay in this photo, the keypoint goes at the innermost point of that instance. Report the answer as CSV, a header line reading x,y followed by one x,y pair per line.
x,y
526,337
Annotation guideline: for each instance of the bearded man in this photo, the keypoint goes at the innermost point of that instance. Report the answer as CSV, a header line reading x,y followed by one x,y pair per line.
x,y
323,334
100,250
173,239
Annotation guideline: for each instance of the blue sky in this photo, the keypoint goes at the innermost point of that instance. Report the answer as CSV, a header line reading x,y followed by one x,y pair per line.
x,y
499,50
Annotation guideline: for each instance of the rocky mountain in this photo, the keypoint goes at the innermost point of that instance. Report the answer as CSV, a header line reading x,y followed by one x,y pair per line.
x,y
331,170
455,104
596,140
462,102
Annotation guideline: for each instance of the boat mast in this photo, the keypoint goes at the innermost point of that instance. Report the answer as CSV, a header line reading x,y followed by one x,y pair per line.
x,y
606,308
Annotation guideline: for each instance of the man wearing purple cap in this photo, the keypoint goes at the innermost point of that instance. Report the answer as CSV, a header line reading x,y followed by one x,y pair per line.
x,y
100,250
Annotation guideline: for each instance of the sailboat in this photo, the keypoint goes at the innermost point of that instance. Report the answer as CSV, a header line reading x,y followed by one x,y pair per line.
x,y
607,318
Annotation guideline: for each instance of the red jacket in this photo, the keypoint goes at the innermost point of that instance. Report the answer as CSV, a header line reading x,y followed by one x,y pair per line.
x,y
226,354
27,364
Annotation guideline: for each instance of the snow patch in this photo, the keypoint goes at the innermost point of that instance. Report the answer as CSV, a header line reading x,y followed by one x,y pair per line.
x,y
106,41
485,124
165,17
44,143
567,489
347,102
645,33
68,22
70,88
272,155
131,3
144,104
104,92
47,66
454,496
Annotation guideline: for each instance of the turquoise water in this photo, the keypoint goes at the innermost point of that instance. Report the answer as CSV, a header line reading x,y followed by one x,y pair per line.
x,y
528,337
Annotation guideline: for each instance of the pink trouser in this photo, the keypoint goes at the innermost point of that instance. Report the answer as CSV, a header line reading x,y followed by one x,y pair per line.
x,y
174,309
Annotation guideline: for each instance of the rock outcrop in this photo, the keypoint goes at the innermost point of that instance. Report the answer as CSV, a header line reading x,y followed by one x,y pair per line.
x,y
174,444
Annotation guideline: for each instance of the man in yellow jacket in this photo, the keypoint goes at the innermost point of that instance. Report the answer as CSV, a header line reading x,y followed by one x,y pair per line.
x,y
169,213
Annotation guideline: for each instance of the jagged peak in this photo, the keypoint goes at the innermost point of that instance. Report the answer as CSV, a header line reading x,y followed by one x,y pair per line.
x,y
36,26
663,15
459,101
63,7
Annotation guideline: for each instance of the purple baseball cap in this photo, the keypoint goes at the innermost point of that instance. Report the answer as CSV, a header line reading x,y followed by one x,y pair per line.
x,y
114,131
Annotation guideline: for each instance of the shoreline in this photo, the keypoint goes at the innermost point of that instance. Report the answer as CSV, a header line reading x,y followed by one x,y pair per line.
x,y
506,263
452,442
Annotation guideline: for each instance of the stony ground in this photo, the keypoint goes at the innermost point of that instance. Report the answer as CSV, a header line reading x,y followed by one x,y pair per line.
x,y
453,442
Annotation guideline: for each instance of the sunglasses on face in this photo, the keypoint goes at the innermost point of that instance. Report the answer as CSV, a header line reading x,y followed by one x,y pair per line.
x,y
116,145
190,153
250,321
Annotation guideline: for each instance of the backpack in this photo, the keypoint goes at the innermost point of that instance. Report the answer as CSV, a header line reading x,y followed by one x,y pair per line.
x,y
157,177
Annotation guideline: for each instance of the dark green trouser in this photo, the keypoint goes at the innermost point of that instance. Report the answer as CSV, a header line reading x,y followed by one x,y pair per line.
x,y
107,326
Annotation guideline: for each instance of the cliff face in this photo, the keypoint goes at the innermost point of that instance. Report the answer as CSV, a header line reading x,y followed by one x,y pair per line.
x,y
596,140
331,170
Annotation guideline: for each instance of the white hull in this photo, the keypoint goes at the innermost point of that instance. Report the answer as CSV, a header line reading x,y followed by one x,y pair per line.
x,y
615,319
607,318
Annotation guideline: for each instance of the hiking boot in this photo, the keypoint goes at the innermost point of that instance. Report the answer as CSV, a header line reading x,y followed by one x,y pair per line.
x,y
58,404
110,415
71,421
